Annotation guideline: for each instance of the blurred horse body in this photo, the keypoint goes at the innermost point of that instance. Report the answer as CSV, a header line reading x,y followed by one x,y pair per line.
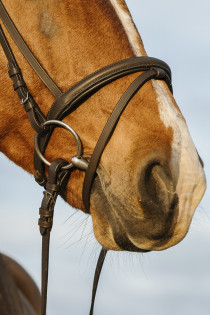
x,y
18,293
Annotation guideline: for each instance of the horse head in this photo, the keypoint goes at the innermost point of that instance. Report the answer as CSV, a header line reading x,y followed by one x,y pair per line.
x,y
150,177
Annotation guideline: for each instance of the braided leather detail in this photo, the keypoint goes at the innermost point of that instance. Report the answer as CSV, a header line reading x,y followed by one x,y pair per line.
x,y
53,187
57,181
46,212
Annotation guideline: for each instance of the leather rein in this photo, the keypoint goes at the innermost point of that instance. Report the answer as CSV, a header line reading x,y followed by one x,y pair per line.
x,y
64,104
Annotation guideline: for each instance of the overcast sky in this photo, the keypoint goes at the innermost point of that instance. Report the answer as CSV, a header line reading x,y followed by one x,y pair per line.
x,y
175,281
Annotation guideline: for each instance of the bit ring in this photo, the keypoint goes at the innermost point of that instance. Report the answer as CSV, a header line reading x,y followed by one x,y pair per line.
x,y
65,126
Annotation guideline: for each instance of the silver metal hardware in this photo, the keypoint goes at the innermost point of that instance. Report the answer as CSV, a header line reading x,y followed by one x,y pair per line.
x,y
80,163
23,101
76,137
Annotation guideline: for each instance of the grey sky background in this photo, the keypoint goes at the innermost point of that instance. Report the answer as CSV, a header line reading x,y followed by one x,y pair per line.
x,y
175,281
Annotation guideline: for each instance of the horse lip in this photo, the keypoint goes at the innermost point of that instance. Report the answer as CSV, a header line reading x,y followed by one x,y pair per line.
x,y
122,236
127,245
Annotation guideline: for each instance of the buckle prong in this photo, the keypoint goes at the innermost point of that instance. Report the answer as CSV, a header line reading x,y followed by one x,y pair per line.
x,y
24,100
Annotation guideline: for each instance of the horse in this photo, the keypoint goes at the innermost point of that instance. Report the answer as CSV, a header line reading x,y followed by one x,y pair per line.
x,y
19,293
150,178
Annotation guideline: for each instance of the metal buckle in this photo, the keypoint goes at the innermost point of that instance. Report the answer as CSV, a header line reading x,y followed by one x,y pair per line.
x,y
74,161
24,100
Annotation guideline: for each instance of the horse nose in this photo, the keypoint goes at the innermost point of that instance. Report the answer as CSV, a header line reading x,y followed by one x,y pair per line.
x,y
157,189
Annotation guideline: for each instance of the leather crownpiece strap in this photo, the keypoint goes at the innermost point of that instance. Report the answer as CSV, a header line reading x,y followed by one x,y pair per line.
x,y
25,50
35,115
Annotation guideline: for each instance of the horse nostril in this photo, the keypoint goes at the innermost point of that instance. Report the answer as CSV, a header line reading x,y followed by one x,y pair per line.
x,y
159,190
158,199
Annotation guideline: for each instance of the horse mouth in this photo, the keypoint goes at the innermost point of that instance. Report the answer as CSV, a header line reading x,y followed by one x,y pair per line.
x,y
126,244
119,225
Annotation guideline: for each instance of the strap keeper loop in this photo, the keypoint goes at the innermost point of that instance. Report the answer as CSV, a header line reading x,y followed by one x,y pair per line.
x,y
45,224
45,213
13,71
161,74
29,104
53,187
19,83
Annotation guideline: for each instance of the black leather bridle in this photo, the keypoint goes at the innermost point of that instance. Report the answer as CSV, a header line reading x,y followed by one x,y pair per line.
x,y
64,104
